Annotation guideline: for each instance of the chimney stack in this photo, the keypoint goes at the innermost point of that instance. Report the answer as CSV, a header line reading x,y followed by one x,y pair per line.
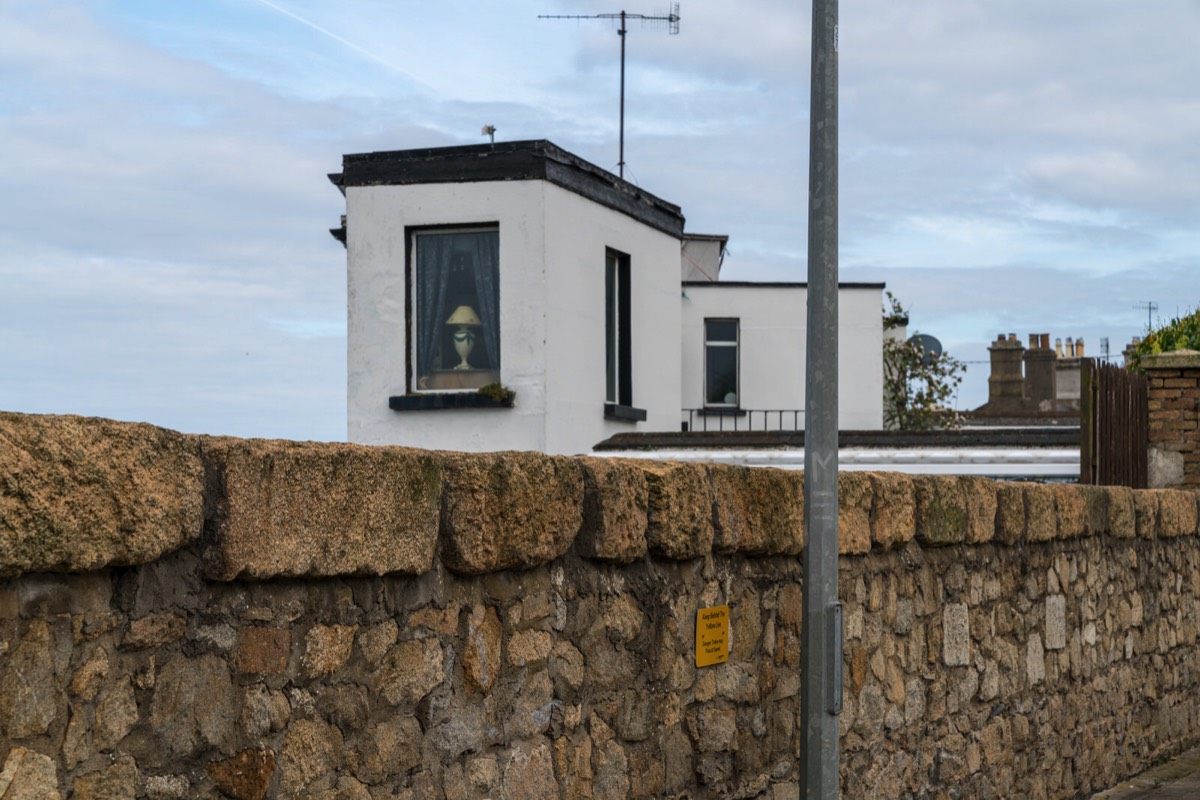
x,y
1006,386
1041,384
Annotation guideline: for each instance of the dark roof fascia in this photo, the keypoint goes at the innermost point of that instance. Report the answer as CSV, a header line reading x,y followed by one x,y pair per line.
x,y
511,161
1029,437
778,284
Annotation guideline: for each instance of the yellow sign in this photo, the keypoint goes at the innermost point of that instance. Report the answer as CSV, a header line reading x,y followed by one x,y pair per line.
x,y
712,636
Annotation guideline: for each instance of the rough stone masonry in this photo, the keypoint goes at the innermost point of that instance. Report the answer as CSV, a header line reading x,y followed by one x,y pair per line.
x,y
187,616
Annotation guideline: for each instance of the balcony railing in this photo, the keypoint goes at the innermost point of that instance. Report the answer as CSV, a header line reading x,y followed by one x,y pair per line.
x,y
742,419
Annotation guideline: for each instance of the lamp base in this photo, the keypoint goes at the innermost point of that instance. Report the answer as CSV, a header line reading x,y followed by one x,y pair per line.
x,y
464,343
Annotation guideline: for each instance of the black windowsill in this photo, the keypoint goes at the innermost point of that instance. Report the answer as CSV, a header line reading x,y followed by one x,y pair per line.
x,y
433,402
629,413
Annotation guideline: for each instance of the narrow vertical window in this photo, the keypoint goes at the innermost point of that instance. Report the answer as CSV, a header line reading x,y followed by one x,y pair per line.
x,y
455,311
721,362
618,346
610,327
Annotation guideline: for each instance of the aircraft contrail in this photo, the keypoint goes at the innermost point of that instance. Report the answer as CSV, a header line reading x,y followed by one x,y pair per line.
x,y
340,40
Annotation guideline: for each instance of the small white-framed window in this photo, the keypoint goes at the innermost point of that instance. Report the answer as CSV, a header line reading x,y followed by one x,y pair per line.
x,y
721,363
454,313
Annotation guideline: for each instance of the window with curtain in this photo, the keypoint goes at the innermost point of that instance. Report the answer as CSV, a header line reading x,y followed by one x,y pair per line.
x,y
455,311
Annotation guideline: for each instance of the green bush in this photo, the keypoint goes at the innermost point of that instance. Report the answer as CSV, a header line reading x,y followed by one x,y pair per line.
x,y
1181,333
917,387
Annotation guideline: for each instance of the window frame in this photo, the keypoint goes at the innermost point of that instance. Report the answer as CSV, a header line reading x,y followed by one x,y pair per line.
x,y
411,322
618,337
736,344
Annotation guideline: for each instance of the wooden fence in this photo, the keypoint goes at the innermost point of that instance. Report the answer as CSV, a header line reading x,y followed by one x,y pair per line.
x,y
1113,425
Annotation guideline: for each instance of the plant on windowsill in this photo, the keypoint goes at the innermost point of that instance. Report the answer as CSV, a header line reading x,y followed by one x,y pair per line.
x,y
494,395
500,393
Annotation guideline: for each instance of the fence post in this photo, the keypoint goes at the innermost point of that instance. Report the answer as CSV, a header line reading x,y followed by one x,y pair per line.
x,y
1087,421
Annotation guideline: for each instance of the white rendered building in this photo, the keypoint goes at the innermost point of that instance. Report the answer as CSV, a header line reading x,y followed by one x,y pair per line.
x,y
743,356
567,278
520,268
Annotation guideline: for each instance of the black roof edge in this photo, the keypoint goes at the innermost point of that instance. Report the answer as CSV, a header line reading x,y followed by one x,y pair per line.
x,y
782,284
336,179
1016,437
535,159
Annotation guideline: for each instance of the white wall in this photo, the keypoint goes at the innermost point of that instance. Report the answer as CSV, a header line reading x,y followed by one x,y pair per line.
x,y
772,342
701,257
376,220
552,259
860,359
577,235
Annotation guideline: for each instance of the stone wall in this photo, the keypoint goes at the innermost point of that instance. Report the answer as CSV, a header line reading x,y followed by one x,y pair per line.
x,y
194,617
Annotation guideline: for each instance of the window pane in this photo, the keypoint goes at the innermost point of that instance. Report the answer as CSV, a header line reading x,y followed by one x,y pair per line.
x,y
610,328
456,309
720,375
618,334
721,330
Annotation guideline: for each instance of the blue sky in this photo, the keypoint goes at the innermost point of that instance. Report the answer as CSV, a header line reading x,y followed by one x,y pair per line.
x,y
164,256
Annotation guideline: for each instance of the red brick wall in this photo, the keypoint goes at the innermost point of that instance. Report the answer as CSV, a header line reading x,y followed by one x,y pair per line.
x,y
1174,406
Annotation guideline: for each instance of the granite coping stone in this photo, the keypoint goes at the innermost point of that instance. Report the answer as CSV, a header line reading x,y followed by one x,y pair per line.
x,y
1176,359
80,494
286,509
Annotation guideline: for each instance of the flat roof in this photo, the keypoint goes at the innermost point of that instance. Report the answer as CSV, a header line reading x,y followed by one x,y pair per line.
x,y
537,159
777,284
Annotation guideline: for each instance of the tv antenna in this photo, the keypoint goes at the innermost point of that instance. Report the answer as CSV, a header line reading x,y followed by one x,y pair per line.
x,y
1149,306
672,20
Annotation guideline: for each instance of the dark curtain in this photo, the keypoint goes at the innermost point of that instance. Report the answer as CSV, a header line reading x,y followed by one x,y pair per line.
x,y
433,275
485,251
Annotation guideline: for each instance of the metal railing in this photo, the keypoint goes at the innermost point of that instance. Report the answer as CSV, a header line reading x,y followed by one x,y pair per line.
x,y
742,419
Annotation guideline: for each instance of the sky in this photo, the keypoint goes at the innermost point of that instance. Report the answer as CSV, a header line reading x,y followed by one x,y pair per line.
x,y
1005,166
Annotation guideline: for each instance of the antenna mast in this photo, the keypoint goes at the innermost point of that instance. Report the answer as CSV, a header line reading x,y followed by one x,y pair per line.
x,y
1149,306
672,20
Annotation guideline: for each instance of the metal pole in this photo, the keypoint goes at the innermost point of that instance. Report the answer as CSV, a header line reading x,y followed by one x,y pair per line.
x,y
621,158
821,642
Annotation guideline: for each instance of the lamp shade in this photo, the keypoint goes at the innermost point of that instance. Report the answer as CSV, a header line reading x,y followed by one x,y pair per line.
x,y
464,315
